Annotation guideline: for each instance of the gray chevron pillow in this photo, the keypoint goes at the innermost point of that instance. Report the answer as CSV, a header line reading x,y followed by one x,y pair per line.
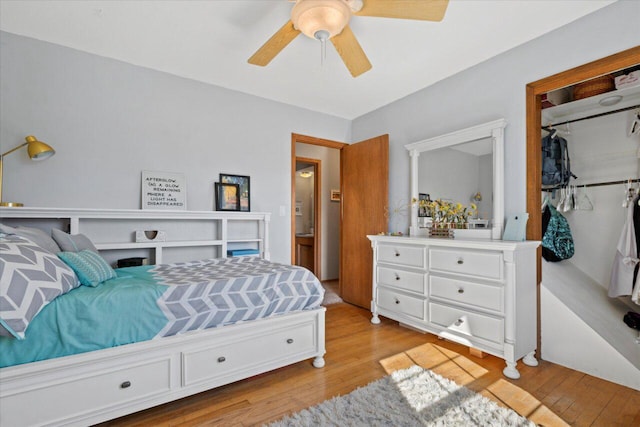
x,y
30,278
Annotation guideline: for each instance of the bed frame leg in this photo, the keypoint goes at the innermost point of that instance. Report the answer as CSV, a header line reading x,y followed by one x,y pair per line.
x,y
318,362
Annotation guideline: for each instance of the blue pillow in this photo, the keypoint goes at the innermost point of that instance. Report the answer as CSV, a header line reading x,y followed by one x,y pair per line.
x,y
90,267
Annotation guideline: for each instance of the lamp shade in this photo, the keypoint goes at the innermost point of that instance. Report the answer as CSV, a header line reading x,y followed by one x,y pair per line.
x,y
38,150
312,16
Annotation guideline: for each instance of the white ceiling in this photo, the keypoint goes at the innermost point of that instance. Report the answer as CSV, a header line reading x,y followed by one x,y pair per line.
x,y
210,41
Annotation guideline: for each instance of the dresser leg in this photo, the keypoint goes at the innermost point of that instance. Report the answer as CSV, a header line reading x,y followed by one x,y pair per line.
x,y
510,371
375,319
318,362
530,359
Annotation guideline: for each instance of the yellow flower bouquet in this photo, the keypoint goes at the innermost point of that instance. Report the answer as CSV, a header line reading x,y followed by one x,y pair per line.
x,y
447,214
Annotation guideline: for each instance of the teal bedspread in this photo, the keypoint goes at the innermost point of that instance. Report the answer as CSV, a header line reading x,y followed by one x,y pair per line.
x,y
87,319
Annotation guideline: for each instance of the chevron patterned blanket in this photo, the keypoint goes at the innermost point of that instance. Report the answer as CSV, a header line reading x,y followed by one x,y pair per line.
x,y
223,291
150,302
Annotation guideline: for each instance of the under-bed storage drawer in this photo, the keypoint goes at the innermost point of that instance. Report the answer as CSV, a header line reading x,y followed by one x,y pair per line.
x,y
209,363
49,403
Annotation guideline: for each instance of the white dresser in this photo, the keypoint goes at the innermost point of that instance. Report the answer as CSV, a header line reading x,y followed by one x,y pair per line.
x,y
480,293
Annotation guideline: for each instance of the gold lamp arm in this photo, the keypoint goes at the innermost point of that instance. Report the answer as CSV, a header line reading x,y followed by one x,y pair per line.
x,y
13,149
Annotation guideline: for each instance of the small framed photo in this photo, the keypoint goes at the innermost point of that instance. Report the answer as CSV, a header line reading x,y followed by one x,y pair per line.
x,y
423,211
227,197
335,195
245,189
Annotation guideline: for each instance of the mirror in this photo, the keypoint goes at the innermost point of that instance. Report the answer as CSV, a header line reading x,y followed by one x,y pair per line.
x,y
466,166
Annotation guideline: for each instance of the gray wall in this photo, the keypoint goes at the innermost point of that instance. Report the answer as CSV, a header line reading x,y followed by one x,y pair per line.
x,y
496,89
109,120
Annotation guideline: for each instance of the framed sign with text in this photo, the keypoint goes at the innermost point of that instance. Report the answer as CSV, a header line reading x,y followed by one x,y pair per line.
x,y
164,191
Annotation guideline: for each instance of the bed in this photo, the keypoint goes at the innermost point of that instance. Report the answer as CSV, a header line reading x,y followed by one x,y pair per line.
x,y
156,333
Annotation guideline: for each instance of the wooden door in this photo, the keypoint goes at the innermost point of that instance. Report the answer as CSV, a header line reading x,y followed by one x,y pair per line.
x,y
364,182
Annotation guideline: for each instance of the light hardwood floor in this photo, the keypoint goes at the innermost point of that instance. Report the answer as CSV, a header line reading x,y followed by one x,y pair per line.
x,y
359,352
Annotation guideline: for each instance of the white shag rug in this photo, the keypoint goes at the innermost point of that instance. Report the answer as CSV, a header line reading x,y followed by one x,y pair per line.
x,y
409,397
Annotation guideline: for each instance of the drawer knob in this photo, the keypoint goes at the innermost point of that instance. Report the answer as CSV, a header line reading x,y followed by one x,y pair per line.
x,y
125,384
397,253
459,322
397,277
461,291
221,359
460,261
397,301
289,340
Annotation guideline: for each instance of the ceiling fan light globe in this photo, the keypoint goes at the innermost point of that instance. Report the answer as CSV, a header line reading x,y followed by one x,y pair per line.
x,y
311,16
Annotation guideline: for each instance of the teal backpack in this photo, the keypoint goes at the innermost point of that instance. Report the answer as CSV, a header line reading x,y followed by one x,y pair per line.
x,y
557,241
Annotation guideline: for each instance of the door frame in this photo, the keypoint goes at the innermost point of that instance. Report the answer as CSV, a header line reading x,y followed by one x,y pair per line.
x,y
311,140
534,92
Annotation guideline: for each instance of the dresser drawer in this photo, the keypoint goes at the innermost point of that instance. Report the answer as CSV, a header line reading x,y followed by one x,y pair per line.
x,y
216,361
401,303
402,279
408,255
78,395
466,323
478,295
486,264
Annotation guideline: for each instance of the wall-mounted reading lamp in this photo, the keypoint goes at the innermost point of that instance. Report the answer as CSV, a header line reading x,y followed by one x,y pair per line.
x,y
37,150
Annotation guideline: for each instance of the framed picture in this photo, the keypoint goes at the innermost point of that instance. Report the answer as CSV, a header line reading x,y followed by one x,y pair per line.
x,y
298,208
227,197
245,189
422,210
335,195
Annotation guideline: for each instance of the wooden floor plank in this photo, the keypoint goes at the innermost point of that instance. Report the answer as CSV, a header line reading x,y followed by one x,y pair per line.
x,y
359,352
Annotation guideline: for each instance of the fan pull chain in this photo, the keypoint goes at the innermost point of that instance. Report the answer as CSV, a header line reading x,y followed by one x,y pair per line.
x,y
323,36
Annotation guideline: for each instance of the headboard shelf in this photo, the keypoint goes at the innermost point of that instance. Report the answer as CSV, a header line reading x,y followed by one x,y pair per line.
x,y
113,230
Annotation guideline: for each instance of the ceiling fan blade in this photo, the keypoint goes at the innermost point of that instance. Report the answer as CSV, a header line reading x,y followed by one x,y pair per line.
x,y
351,52
274,45
424,10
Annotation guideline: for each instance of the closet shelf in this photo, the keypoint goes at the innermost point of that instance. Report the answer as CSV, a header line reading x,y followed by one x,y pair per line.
x,y
584,107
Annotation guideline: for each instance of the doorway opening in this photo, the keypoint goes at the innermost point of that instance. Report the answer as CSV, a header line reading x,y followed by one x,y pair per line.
x,y
307,217
315,219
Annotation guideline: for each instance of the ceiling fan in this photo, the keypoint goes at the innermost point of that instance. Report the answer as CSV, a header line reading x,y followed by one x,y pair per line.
x,y
329,20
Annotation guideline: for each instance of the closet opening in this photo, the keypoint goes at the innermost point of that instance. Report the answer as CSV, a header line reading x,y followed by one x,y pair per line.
x,y
604,152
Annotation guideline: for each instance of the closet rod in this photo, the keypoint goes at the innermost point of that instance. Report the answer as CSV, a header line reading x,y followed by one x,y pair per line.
x,y
546,127
596,184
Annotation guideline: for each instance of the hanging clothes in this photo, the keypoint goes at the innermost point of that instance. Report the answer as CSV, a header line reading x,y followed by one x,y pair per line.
x,y
635,295
626,259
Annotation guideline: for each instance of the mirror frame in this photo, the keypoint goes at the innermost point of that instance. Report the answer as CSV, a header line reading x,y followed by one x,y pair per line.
x,y
493,130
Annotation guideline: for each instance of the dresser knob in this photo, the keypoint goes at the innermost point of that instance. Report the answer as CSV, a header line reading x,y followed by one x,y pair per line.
x,y
221,359
397,253
290,341
397,301
125,384
460,261
461,291
397,277
459,322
